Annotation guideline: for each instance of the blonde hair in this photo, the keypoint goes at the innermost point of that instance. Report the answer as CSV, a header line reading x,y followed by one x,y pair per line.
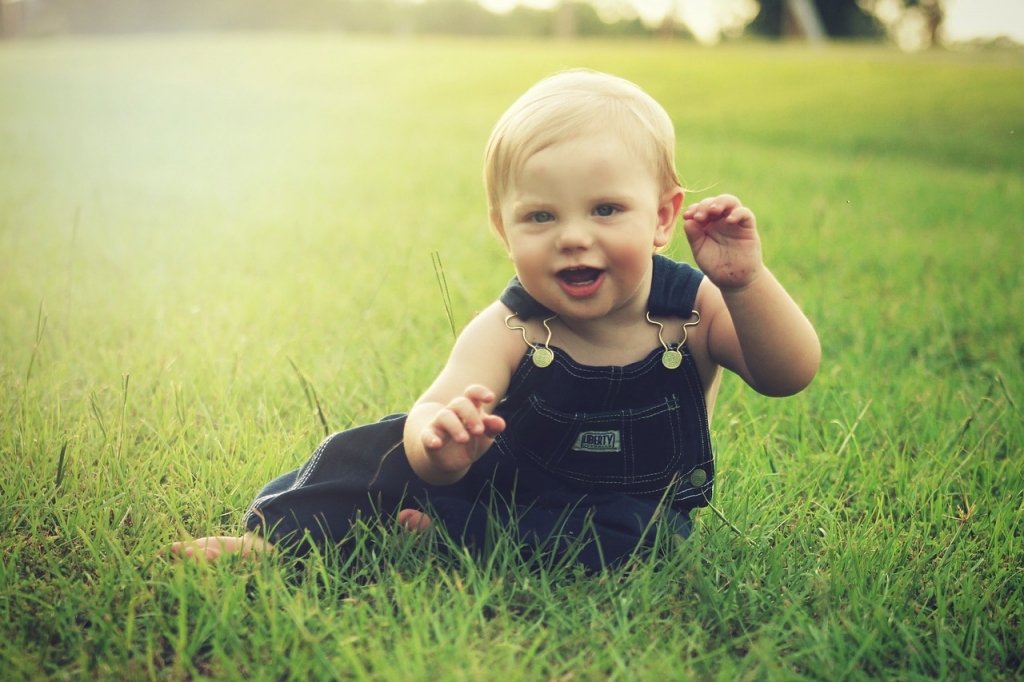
x,y
571,103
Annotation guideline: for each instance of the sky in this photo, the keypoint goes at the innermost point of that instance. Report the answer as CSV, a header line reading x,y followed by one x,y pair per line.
x,y
967,19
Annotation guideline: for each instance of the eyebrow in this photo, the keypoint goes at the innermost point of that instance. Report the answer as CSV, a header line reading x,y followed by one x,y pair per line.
x,y
529,203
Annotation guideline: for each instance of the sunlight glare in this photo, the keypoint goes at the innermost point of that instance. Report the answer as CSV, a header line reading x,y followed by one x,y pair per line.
x,y
971,19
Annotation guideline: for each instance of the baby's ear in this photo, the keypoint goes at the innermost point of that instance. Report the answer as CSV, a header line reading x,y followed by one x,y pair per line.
x,y
668,212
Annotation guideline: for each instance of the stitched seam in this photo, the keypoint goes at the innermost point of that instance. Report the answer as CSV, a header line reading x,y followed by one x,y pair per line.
x,y
313,462
307,470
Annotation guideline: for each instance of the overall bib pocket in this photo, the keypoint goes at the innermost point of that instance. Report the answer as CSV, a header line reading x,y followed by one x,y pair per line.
x,y
636,450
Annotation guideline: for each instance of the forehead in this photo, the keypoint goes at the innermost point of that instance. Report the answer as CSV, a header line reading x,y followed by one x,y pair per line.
x,y
596,155
588,152
593,167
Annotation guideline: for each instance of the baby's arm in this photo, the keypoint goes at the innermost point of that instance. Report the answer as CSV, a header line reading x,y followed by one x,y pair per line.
x,y
754,328
451,425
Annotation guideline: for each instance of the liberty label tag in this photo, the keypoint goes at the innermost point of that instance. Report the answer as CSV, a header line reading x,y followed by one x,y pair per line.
x,y
598,441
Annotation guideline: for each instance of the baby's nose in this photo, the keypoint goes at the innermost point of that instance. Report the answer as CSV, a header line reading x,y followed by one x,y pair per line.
x,y
575,234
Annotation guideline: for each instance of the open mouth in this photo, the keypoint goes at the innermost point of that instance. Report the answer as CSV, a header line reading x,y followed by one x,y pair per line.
x,y
581,281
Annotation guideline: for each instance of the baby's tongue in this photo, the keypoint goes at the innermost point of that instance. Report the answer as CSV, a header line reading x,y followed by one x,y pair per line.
x,y
579,276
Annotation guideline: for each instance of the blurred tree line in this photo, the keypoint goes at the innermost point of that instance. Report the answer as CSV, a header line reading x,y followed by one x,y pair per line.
x,y
839,19
460,17
910,22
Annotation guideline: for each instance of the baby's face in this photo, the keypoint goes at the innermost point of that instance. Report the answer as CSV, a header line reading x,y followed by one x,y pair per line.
x,y
581,220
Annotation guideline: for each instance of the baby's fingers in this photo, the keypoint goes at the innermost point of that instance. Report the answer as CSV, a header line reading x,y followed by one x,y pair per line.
x,y
493,425
712,208
741,215
446,426
433,437
460,420
478,395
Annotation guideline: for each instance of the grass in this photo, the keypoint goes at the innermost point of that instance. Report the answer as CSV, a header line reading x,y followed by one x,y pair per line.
x,y
199,233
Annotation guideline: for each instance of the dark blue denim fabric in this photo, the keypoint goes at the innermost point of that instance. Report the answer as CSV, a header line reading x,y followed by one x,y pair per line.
x,y
597,453
639,430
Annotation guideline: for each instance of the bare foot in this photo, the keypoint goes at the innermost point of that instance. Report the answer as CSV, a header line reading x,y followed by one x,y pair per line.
x,y
208,549
413,520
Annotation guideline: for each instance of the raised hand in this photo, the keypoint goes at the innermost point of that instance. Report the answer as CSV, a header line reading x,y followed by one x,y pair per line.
x,y
724,240
462,430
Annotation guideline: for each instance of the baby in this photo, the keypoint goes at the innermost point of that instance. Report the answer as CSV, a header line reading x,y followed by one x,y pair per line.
x,y
576,408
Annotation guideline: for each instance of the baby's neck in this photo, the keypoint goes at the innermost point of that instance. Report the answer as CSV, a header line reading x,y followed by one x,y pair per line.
x,y
603,342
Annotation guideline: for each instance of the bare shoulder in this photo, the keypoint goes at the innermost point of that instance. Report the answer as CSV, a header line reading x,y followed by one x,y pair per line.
x,y
492,333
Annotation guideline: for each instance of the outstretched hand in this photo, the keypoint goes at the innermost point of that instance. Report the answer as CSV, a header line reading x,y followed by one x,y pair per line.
x,y
462,431
724,240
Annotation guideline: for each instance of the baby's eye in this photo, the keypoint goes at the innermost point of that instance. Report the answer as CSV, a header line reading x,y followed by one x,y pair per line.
x,y
606,210
540,217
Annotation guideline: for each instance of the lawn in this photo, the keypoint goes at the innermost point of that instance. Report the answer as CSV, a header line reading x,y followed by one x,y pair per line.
x,y
212,248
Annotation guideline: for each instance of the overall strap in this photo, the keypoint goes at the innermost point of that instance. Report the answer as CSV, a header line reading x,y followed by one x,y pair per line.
x,y
521,303
673,288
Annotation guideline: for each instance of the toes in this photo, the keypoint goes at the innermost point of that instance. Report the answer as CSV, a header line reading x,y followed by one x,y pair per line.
x,y
209,549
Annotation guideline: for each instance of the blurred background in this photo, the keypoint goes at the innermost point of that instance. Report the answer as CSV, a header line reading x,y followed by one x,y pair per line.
x,y
911,24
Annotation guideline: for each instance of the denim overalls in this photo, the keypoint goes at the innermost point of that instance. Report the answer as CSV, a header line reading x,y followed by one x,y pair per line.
x,y
598,452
